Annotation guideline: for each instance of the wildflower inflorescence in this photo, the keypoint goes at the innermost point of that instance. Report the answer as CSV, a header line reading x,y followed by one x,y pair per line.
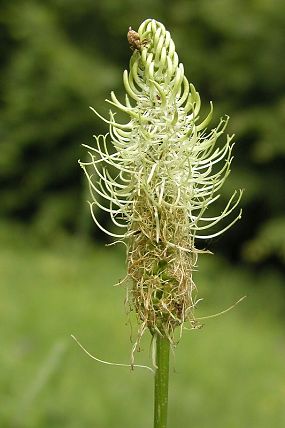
x,y
159,180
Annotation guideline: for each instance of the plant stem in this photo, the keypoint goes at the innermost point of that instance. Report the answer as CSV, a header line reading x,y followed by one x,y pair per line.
x,y
161,382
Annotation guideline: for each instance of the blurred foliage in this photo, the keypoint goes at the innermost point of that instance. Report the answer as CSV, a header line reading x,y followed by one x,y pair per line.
x,y
230,373
58,57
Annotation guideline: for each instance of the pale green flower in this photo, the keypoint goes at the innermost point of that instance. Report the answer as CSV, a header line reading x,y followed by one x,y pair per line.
x,y
158,181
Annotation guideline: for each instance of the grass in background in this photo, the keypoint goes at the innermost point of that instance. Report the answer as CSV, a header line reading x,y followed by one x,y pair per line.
x,y
228,374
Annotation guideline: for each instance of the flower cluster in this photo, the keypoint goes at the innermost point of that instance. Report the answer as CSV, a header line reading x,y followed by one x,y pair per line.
x,y
158,180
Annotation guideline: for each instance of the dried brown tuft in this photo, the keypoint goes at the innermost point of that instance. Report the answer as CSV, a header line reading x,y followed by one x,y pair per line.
x,y
161,260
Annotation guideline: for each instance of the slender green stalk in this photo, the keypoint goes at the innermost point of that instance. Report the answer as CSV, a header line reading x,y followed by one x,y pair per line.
x,y
161,382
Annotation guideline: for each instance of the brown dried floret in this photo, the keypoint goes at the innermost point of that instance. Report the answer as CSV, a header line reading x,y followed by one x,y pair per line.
x,y
162,292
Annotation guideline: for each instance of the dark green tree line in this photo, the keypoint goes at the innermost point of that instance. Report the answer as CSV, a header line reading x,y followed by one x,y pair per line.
x,y
59,57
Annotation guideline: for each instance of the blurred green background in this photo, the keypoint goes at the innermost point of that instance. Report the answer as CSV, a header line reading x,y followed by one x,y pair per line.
x,y
57,58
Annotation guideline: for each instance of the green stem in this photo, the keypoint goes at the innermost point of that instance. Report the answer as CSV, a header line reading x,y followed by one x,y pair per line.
x,y
161,382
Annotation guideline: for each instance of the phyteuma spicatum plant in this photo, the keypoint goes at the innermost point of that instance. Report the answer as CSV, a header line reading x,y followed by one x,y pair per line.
x,y
156,184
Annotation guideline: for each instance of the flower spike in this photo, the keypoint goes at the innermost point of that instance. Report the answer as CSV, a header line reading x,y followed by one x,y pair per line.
x,y
159,180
